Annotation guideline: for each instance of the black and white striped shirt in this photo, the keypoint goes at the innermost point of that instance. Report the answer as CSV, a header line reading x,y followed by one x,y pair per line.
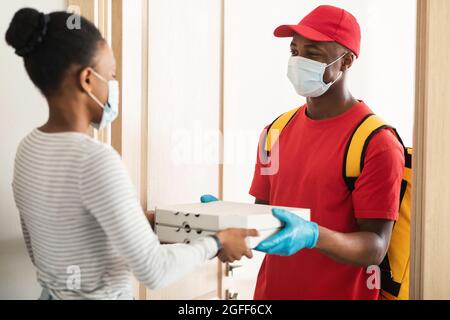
x,y
83,225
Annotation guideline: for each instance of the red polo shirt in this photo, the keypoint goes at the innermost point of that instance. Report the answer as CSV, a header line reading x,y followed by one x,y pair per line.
x,y
311,157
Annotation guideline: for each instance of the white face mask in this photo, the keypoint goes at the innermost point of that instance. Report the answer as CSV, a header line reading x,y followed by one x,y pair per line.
x,y
307,76
111,107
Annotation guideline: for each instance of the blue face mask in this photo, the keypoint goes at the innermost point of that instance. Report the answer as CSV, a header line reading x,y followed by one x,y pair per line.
x,y
111,107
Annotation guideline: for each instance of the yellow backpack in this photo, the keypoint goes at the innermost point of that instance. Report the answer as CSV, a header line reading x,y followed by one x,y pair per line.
x,y
395,267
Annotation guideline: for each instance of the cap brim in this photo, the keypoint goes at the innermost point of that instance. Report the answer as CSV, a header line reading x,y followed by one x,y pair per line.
x,y
287,31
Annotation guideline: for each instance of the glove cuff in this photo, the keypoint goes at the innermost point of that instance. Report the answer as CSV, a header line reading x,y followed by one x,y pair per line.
x,y
315,232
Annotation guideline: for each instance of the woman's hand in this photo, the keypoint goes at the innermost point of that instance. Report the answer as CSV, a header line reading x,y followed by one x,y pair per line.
x,y
150,215
234,244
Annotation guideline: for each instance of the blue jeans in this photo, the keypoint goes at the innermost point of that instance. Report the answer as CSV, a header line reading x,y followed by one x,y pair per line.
x,y
45,295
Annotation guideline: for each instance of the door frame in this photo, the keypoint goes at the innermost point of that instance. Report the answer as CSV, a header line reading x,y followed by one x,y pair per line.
x,y
430,261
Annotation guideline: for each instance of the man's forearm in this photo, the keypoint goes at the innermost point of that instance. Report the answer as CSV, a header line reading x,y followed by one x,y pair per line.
x,y
359,248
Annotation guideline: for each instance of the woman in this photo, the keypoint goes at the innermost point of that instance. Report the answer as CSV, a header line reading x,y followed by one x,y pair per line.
x,y
83,226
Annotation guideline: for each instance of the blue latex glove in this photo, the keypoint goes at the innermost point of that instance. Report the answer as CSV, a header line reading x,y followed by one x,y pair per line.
x,y
207,198
297,234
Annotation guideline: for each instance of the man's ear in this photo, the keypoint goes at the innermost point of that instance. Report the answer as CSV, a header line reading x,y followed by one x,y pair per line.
x,y
347,61
85,79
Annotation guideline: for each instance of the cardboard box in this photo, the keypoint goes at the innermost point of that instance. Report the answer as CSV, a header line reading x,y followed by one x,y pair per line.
x,y
180,235
188,222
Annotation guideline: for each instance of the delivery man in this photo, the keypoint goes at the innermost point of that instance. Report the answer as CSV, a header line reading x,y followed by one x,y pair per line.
x,y
328,257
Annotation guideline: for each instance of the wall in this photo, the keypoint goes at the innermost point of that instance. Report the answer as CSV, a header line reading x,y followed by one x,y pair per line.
x,y
184,91
22,109
183,117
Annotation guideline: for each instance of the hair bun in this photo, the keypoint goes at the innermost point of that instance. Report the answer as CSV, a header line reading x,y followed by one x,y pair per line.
x,y
27,30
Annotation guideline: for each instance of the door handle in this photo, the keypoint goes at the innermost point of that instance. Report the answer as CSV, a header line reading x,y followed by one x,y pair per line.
x,y
231,295
229,269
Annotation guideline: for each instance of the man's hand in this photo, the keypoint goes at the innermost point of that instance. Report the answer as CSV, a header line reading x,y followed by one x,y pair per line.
x,y
297,234
207,198
234,245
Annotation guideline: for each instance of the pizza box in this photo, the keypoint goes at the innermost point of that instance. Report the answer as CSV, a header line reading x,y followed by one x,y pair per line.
x,y
181,235
220,215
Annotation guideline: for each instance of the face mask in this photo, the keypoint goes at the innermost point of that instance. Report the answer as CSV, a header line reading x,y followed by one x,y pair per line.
x,y
111,107
307,76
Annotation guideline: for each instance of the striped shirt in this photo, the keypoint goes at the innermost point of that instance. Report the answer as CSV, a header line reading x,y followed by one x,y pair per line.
x,y
83,225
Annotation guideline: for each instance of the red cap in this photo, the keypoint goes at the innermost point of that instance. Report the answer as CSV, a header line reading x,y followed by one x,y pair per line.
x,y
326,24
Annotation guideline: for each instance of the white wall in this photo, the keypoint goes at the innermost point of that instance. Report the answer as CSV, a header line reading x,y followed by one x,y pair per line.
x,y
131,87
22,109
257,89
184,91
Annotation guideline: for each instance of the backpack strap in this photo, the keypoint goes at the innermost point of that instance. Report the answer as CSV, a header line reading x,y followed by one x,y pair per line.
x,y
274,130
356,148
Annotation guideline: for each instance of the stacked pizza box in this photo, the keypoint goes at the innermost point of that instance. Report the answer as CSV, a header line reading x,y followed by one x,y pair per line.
x,y
188,222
